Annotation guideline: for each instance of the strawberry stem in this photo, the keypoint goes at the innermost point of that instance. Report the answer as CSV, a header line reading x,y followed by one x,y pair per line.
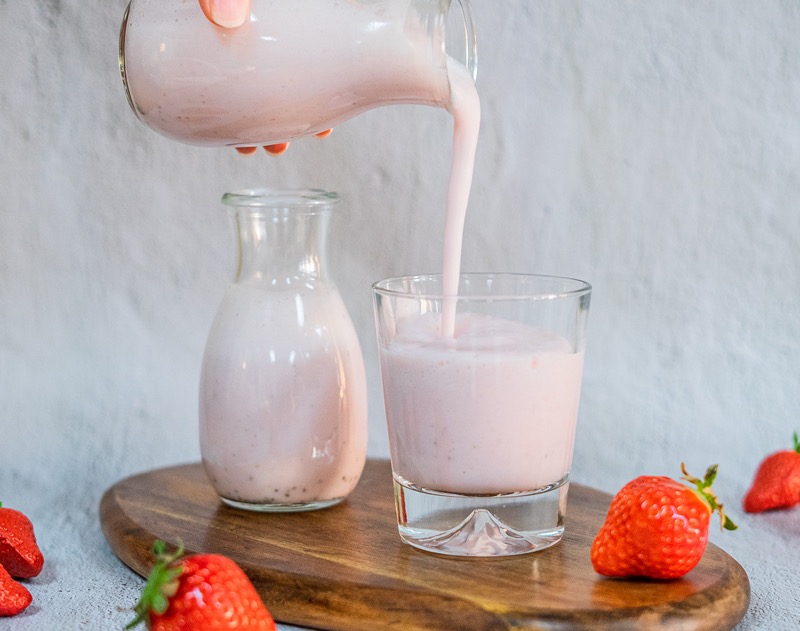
x,y
796,445
703,489
162,583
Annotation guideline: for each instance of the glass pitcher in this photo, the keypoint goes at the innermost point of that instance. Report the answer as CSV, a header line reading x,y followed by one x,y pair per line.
x,y
295,68
283,395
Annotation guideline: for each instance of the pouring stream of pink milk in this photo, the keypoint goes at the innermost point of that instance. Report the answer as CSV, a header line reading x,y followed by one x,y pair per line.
x,y
466,110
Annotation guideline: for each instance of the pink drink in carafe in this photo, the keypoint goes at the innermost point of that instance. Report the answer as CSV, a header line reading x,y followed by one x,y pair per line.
x,y
295,68
283,399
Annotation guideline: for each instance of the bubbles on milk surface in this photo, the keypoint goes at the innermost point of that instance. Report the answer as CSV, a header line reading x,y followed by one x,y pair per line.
x,y
475,332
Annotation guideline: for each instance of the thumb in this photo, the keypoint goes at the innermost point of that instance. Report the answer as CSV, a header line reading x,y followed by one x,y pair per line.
x,y
227,13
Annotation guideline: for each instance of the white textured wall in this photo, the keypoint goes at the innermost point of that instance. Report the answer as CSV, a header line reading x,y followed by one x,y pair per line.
x,y
651,148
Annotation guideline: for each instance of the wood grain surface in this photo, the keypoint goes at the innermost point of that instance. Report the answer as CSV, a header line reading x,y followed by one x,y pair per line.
x,y
346,568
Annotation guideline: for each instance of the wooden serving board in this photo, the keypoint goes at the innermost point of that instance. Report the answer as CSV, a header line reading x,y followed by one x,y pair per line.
x,y
346,568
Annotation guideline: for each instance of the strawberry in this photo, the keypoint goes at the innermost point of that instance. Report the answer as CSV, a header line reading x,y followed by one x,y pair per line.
x,y
657,527
13,596
199,592
777,481
19,553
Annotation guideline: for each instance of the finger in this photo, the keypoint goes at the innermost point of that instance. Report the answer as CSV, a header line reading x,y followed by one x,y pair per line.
x,y
278,149
227,13
324,134
247,151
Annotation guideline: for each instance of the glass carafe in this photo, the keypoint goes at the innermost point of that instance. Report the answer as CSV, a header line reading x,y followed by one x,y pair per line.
x,y
283,398
295,68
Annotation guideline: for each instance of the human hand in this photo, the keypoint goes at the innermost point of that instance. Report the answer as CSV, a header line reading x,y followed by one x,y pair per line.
x,y
230,14
278,149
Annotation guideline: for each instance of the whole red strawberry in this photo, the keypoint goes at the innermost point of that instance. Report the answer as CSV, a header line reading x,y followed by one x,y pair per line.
x,y
14,598
777,481
657,527
19,553
199,593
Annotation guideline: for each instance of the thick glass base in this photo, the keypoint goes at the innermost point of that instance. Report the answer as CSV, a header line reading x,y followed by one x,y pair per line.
x,y
479,525
282,508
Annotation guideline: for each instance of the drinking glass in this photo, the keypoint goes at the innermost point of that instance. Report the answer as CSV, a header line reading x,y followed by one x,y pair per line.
x,y
481,421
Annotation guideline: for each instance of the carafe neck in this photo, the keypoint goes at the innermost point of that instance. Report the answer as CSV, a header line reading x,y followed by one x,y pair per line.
x,y
280,236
